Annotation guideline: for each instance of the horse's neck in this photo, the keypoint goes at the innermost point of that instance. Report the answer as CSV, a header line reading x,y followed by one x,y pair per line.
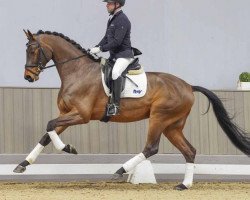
x,y
63,51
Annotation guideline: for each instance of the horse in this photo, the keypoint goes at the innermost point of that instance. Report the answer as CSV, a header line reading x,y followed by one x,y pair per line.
x,y
81,98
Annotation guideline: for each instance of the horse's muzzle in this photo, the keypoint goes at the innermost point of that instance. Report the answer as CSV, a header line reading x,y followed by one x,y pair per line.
x,y
28,78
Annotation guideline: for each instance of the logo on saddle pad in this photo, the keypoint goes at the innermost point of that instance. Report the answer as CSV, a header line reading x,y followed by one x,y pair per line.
x,y
137,91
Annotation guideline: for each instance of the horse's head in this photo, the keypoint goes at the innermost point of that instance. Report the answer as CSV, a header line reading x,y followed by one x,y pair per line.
x,y
38,54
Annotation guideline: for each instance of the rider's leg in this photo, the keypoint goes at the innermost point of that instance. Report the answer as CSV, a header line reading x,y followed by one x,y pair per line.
x,y
117,87
120,65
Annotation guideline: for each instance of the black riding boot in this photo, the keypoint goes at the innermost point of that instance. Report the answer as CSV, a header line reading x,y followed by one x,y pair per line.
x,y
113,108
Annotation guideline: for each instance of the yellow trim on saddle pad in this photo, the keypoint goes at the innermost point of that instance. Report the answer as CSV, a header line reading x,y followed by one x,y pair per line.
x,y
135,72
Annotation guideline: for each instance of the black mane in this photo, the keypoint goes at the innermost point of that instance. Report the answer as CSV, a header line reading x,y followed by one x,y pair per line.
x,y
78,46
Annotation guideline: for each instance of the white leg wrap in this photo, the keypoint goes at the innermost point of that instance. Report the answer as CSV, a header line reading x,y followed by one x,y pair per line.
x,y
189,174
129,165
34,153
59,145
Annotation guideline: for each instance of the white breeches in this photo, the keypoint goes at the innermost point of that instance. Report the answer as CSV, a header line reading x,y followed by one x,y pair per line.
x,y
120,65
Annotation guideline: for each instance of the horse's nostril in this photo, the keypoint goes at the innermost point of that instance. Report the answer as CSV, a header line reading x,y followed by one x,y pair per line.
x,y
28,78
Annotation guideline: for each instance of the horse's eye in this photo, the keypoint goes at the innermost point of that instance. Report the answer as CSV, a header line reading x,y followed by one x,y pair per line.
x,y
32,51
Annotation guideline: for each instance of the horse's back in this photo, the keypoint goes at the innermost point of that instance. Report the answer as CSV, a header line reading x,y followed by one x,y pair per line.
x,y
169,80
170,87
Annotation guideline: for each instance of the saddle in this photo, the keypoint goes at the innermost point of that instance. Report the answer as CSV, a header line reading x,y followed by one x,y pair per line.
x,y
129,89
133,69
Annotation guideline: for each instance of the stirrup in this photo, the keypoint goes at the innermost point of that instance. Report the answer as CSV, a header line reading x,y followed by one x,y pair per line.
x,y
112,110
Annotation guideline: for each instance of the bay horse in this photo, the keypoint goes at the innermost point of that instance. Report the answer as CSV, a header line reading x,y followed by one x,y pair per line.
x,y
167,103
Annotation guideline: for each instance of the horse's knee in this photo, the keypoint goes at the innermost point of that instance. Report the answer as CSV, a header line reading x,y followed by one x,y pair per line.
x,y
150,151
51,125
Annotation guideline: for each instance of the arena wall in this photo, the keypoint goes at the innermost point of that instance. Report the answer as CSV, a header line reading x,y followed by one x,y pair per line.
x,y
25,113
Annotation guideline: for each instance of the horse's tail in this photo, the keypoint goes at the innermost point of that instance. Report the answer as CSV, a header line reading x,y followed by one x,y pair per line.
x,y
237,136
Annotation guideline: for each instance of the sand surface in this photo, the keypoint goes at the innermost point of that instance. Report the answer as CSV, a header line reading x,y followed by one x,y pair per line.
x,y
120,191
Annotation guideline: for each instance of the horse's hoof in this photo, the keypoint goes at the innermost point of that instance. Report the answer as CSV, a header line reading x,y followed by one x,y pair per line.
x,y
19,169
73,150
70,149
117,178
180,187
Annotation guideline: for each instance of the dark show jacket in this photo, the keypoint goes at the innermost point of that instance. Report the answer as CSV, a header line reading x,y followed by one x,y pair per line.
x,y
117,37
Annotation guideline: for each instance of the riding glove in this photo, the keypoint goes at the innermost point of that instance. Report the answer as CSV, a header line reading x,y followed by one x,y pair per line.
x,y
95,50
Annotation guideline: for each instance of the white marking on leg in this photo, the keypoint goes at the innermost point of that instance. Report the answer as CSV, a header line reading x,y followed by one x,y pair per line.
x,y
59,145
129,165
34,153
189,175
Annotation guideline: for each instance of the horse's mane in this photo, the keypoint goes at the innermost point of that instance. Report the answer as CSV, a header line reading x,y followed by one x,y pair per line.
x,y
78,46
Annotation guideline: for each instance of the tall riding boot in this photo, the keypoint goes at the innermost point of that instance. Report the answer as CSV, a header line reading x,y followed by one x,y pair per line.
x,y
113,108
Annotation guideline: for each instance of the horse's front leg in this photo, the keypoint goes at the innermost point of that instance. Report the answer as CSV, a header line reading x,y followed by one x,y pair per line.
x,y
54,128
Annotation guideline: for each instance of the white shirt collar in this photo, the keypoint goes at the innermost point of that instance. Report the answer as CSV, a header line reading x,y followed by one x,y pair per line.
x,y
118,10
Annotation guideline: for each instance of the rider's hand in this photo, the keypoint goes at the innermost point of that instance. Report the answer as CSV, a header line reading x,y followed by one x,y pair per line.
x,y
95,50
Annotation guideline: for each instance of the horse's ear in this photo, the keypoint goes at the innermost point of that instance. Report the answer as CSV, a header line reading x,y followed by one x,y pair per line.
x,y
26,33
29,35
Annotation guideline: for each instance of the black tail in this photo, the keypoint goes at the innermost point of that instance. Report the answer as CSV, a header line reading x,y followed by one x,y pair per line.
x,y
237,136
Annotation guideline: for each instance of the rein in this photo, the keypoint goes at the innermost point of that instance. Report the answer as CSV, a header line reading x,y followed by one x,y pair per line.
x,y
61,63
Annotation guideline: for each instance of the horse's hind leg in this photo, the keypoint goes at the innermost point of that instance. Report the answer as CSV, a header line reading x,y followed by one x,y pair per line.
x,y
176,137
152,145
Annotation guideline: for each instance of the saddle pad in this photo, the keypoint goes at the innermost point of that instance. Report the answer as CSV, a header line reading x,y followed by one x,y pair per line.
x,y
130,90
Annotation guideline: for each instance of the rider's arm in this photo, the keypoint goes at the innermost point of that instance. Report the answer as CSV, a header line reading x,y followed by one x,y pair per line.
x,y
103,41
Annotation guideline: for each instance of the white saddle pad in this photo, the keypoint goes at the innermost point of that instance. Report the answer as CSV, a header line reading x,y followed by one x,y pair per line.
x,y
130,90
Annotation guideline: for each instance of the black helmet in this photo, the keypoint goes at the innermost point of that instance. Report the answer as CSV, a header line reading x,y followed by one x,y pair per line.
x,y
121,2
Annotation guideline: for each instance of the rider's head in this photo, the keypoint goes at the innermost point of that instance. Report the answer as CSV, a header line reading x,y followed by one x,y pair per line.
x,y
113,5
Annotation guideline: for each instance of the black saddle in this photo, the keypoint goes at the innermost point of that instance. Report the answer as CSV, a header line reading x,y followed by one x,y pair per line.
x,y
107,68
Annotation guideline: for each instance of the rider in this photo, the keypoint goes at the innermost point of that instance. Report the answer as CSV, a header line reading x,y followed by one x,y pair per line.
x,y
117,42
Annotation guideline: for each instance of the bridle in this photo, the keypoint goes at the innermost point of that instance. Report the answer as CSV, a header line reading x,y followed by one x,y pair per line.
x,y
39,63
42,54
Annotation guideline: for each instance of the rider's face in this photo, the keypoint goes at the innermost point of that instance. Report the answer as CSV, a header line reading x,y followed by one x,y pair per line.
x,y
110,7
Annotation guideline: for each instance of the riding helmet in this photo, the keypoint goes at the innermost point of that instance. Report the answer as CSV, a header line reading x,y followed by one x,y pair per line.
x,y
121,2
